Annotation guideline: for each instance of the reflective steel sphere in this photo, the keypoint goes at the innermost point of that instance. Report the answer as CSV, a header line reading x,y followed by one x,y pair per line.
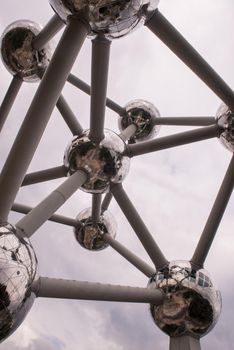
x,y
18,266
114,18
192,305
141,113
17,52
225,118
89,235
103,162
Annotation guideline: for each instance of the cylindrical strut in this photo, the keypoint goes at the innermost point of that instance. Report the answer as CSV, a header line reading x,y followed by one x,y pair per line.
x,y
43,211
39,113
68,289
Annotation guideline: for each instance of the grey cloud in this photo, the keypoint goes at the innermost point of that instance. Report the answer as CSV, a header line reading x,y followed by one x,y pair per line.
x,y
44,342
173,190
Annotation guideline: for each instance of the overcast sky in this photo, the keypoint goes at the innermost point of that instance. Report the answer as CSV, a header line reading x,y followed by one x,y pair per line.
x,y
173,190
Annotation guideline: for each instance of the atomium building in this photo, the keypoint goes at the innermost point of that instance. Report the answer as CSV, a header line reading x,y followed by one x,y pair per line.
x,y
96,167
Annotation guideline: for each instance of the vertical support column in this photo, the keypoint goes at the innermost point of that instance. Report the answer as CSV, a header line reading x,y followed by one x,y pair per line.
x,y
185,343
99,77
96,207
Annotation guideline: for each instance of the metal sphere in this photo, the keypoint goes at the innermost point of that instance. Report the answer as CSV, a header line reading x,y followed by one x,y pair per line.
x,y
141,113
18,271
18,54
192,306
225,118
113,18
104,162
90,234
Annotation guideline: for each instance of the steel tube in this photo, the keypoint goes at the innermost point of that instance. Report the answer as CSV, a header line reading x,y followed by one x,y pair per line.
x,y
44,175
48,32
39,113
185,343
60,219
138,226
9,99
80,84
106,202
215,217
44,210
165,31
141,265
127,133
69,117
172,141
96,207
68,289
99,78
185,121
72,79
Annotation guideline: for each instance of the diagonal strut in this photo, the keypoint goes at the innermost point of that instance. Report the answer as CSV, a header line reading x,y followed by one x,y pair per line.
x,y
165,31
215,217
138,226
39,113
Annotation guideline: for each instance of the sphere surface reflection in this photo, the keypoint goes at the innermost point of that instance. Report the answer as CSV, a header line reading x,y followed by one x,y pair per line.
x,y
114,18
89,235
104,162
141,113
18,54
18,267
225,118
192,305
